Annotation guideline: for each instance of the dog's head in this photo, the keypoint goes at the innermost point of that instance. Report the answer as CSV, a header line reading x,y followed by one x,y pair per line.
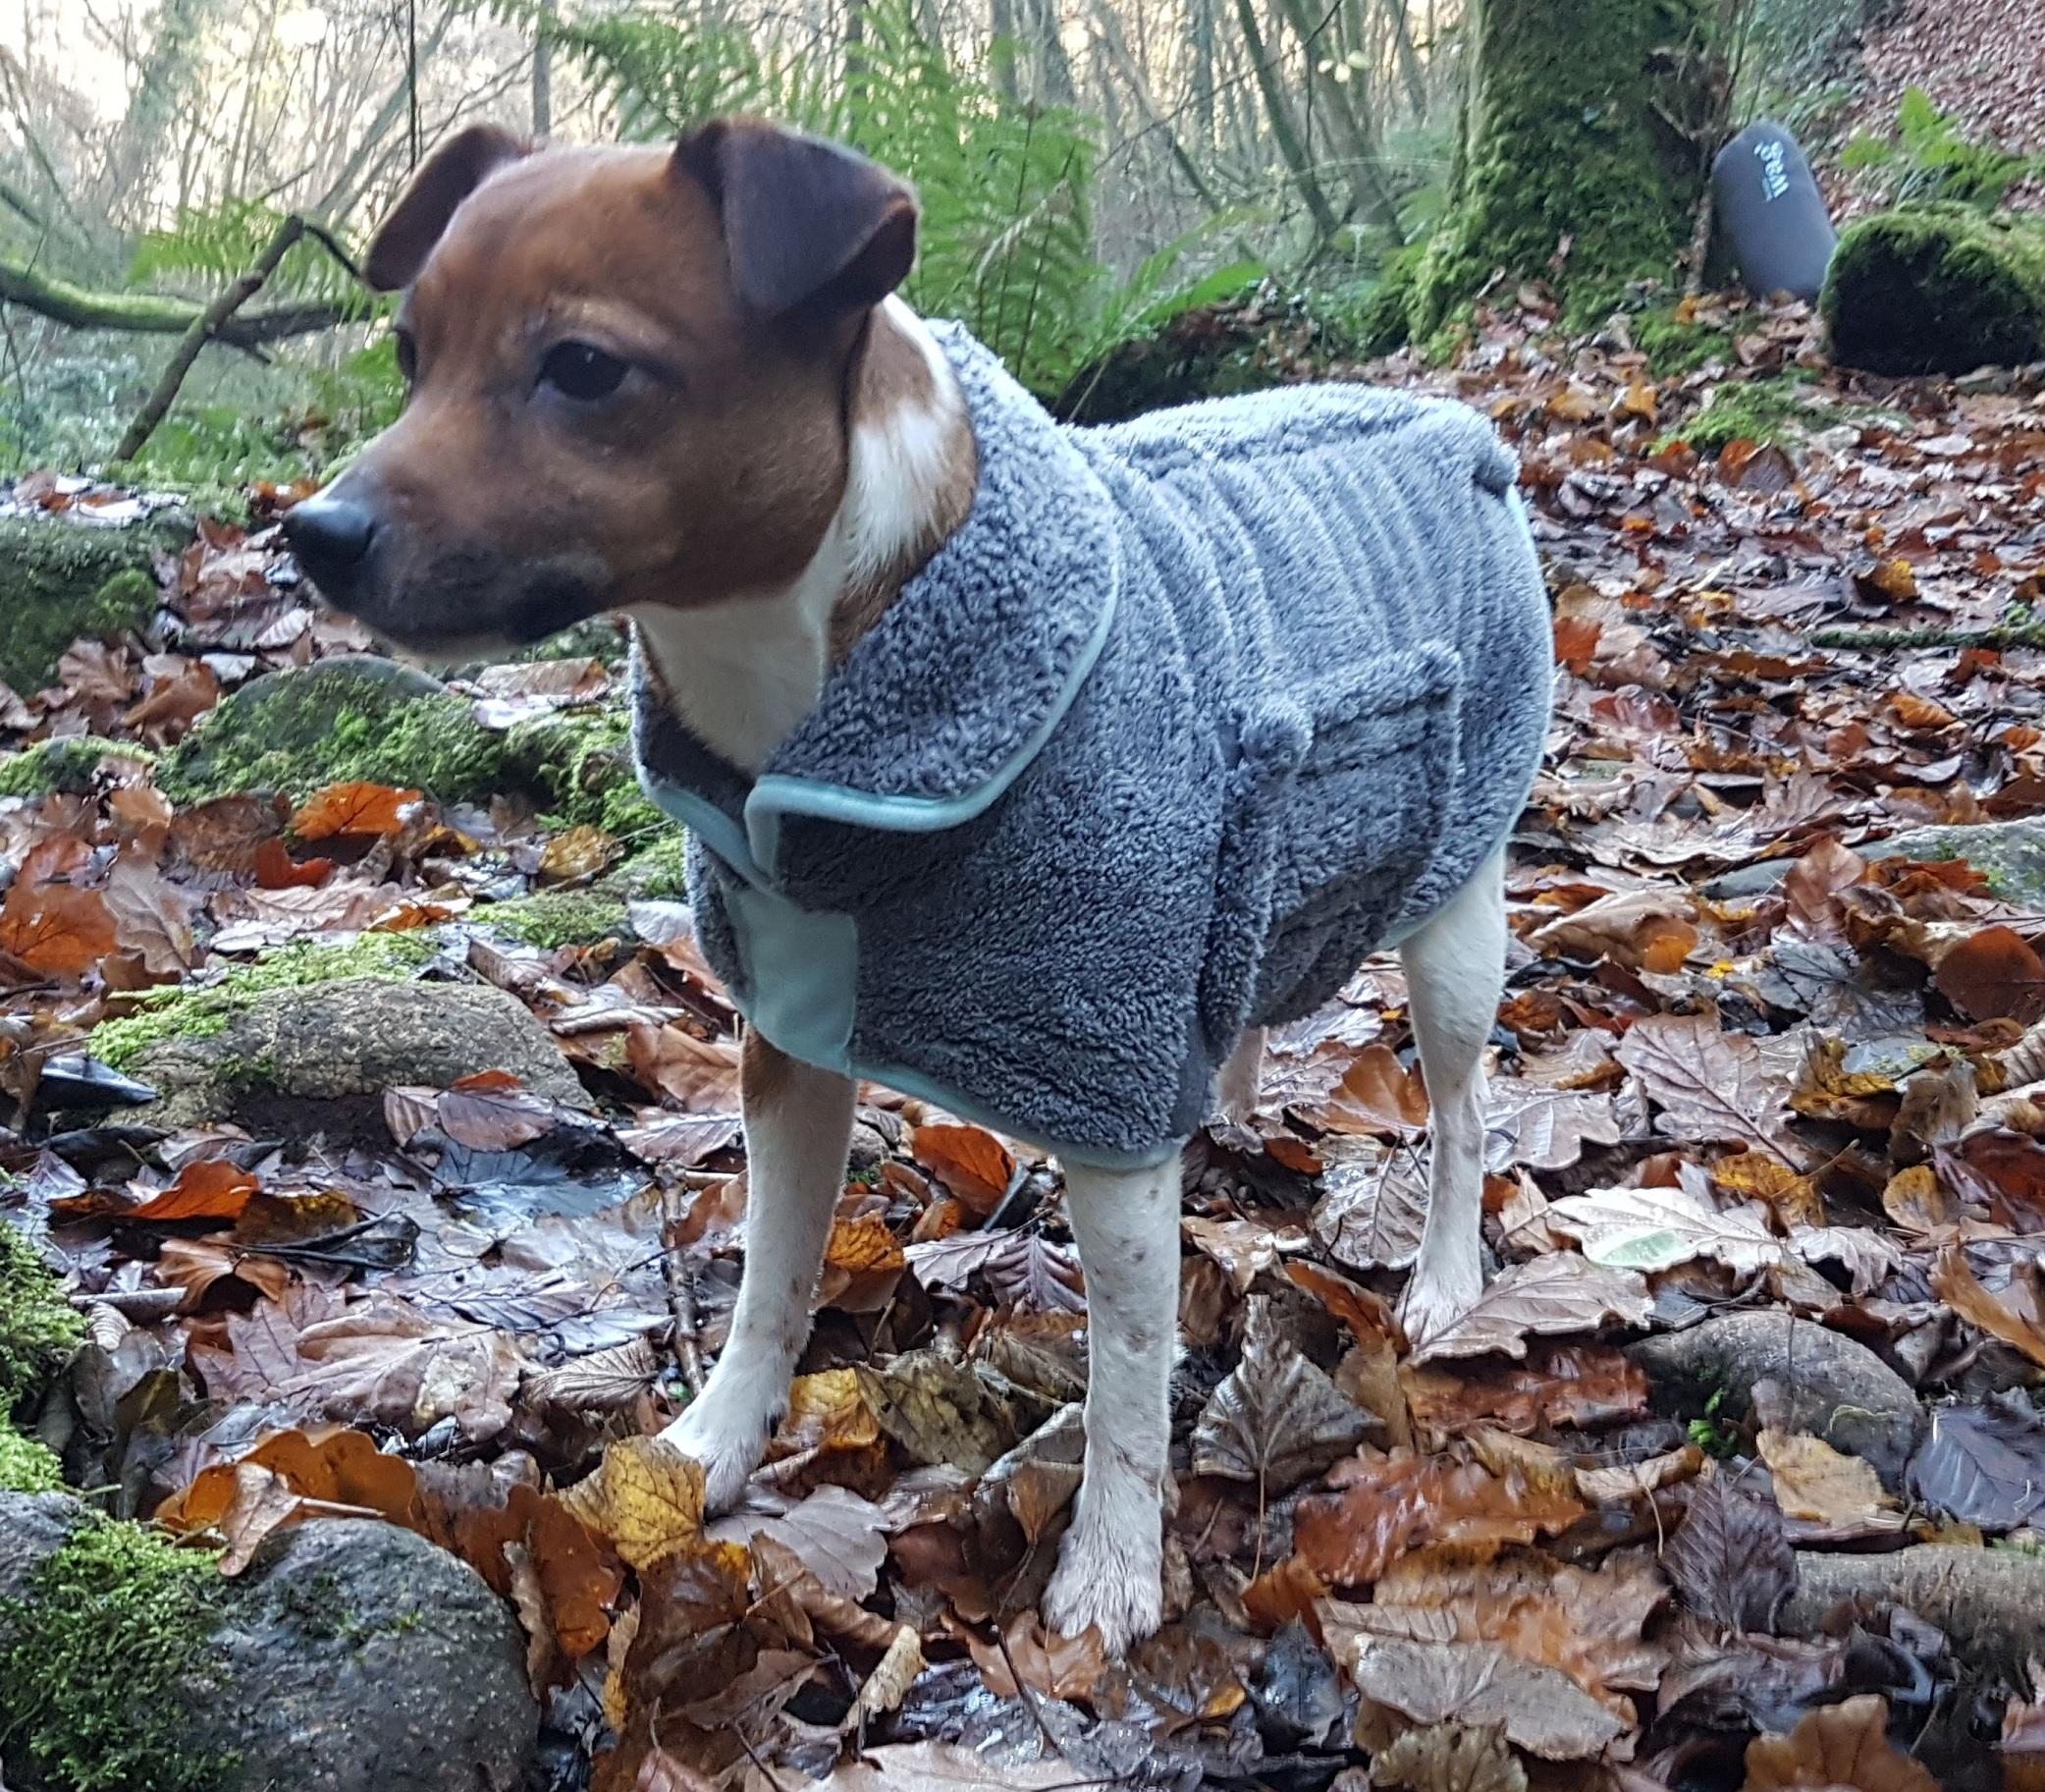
x,y
628,372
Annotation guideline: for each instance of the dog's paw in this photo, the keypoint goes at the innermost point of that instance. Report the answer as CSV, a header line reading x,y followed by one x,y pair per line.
x,y
1107,1582
1436,1297
726,1453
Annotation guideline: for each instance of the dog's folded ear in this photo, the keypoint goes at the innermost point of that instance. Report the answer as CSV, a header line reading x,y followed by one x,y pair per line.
x,y
814,230
447,177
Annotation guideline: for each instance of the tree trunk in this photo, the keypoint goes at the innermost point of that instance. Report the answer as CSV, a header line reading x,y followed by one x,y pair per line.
x,y
543,69
1575,165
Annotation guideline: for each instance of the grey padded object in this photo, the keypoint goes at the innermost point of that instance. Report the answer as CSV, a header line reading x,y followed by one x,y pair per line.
x,y
1772,222
1189,715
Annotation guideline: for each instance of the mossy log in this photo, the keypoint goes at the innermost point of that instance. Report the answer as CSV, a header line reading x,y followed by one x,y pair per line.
x,y
1571,167
152,315
1937,288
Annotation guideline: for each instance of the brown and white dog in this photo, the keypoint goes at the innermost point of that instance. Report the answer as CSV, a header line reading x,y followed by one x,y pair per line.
x,y
678,384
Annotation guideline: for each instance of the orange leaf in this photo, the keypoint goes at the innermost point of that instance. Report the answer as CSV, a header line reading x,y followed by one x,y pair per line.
x,y
1994,974
969,1160
276,869
210,1189
55,929
341,810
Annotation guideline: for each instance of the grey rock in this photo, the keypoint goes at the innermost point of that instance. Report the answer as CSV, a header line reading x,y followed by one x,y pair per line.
x,y
2012,853
1828,1384
1758,879
355,1657
32,1528
1991,1603
348,1042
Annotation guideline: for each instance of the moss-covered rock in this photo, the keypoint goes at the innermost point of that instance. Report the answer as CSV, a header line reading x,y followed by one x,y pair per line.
x,y
39,1330
301,1060
62,580
1568,141
370,719
1937,288
353,1657
103,1663
658,872
73,766
1676,344
1384,320
2011,855
203,1011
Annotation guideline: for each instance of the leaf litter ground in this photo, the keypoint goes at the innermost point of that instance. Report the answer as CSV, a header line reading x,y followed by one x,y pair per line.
x,y
1747,1064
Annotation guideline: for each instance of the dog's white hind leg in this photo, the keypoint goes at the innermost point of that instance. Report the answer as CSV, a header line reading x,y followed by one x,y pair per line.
x,y
1455,971
1111,1565
798,1131
1235,1089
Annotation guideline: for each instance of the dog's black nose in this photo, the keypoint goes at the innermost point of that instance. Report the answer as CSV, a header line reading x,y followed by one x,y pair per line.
x,y
331,536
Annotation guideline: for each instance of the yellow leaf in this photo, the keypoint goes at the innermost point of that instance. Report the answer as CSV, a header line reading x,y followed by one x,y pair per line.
x,y
1814,1482
646,1497
889,1684
827,1411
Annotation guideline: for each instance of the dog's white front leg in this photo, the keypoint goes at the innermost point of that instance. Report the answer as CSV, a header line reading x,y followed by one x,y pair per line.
x,y
1111,1565
1455,971
798,1129
1235,1089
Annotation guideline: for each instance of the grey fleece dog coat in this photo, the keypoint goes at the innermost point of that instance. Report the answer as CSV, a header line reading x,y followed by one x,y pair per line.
x,y
1188,717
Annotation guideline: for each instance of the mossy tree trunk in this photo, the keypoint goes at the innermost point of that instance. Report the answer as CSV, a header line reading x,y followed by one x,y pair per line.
x,y
1583,150
1937,288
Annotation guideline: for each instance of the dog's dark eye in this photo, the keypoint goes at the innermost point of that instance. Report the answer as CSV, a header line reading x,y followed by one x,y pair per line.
x,y
582,371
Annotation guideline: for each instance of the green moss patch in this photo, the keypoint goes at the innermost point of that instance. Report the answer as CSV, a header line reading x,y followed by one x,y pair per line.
x,y
39,1330
199,1011
658,872
1673,347
559,917
1937,288
101,1665
28,1466
1753,411
72,766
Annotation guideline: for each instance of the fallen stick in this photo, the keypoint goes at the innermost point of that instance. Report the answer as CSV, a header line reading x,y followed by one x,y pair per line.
x,y
2024,635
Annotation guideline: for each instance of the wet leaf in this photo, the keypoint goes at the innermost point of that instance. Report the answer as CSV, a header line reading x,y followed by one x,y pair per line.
x,y
1814,1482
1480,1685
344,811
1380,1505
1658,1229
1844,1748
1275,1419
2014,1316
1983,1464
56,930
974,1165
209,1188
1450,1758
645,1497
1730,1560
1371,1214
1708,1084
1995,973
1550,1296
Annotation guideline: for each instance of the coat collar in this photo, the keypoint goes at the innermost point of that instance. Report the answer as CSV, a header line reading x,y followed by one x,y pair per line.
x,y
948,698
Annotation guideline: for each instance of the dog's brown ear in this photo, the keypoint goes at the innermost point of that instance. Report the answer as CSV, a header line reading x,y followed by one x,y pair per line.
x,y
447,177
810,226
